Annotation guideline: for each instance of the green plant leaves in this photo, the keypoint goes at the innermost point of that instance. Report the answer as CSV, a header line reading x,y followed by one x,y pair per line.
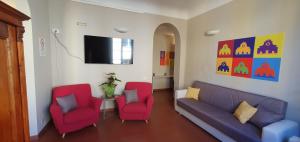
x,y
110,85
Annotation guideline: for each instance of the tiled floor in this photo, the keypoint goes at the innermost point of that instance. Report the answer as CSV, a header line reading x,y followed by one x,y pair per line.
x,y
165,125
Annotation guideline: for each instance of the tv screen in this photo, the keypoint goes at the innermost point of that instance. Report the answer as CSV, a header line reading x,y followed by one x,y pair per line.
x,y
107,50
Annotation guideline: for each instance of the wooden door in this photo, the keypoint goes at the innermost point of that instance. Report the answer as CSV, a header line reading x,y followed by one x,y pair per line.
x,y
11,120
13,98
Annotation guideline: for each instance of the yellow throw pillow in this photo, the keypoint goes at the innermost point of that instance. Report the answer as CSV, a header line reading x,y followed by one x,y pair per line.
x,y
192,93
244,112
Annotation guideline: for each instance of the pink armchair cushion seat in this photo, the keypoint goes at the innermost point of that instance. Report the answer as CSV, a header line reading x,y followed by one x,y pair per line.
x,y
79,114
86,113
140,110
135,108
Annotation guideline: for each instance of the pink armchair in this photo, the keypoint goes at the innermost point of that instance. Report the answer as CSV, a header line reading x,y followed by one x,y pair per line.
x,y
87,111
138,110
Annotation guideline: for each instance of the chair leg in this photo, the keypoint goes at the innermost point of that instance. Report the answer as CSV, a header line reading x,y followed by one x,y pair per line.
x,y
123,121
63,135
94,124
146,121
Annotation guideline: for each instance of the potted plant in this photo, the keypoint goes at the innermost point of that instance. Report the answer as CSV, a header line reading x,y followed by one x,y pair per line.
x,y
110,85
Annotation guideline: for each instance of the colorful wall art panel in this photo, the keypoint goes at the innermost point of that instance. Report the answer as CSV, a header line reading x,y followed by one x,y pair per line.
x,y
254,57
244,47
266,68
242,67
225,49
162,58
167,58
269,46
224,66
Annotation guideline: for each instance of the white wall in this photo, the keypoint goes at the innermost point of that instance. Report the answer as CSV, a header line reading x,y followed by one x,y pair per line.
x,y
240,19
23,6
64,14
163,41
42,64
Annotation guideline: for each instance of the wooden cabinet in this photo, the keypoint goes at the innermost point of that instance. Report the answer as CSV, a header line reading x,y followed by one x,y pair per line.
x,y
13,99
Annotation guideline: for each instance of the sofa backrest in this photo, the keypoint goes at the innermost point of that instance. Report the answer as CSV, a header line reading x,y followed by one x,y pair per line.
x,y
228,99
82,93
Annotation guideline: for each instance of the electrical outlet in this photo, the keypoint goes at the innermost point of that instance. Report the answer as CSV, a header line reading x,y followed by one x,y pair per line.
x,y
55,30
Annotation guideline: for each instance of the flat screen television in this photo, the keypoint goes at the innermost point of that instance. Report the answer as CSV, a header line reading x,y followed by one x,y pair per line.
x,y
107,50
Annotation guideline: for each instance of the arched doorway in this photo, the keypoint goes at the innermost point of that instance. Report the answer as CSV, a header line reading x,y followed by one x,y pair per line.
x,y
165,68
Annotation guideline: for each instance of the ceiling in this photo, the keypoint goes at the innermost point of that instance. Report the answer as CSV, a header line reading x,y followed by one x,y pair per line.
x,y
183,9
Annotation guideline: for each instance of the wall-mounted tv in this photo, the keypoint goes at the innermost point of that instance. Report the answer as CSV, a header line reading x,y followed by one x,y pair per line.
x,y
107,50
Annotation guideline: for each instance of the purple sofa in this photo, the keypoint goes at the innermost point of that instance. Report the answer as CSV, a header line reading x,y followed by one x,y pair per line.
x,y
214,112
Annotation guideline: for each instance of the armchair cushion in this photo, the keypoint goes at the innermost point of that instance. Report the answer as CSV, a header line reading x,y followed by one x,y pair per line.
x,y
79,114
131,96
136,107
67,102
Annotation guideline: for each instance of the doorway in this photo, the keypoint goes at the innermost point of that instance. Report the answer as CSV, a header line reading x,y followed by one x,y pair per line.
x,y
164,53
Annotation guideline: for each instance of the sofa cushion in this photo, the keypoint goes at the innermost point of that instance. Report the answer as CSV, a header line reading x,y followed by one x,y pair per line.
x,y
221,120
79,114
263,117
137,107
244,112
192,93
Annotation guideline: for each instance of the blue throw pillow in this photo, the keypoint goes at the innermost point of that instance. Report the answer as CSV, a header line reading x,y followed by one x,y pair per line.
x,y
131,96
263,117
67,103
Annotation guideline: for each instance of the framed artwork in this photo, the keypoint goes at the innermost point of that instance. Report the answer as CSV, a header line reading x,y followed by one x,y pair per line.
x,y
253,57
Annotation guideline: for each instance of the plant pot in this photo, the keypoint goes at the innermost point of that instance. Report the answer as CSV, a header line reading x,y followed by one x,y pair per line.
x,y
109,90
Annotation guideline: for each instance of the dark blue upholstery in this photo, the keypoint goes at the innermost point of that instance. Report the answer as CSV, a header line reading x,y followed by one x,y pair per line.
x,y
216,105
228,99
221,120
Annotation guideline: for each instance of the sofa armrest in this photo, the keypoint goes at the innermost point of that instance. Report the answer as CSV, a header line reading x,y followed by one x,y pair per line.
x,y
96,103
57,115
149,102
180,93
280,131
120,101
